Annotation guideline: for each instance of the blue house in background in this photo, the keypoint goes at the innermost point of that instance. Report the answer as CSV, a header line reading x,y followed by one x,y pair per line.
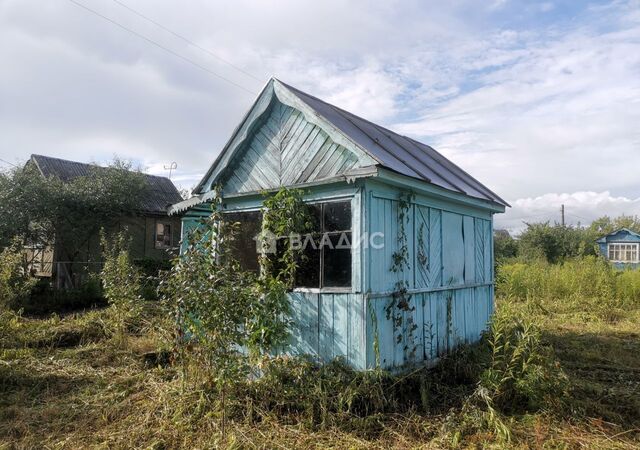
x,y
363,181
622,248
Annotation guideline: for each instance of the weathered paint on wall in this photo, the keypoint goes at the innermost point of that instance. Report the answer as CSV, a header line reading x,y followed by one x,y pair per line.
x,y
438,322
448,232
452,290
286,148
449,278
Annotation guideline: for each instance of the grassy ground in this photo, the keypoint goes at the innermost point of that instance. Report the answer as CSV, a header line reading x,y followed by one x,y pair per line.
x,y
64,384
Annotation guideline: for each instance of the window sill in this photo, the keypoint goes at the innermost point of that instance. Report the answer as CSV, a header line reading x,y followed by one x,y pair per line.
x,y
336,290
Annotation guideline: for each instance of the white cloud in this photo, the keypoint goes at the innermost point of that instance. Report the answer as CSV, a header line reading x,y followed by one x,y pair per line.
x,y
580,207
527,107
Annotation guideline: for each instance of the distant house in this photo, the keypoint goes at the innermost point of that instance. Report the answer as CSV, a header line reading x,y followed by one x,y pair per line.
x,y
154,235
374,188
622,248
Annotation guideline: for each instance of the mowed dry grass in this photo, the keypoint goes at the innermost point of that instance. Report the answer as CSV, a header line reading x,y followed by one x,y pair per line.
x,y
84,392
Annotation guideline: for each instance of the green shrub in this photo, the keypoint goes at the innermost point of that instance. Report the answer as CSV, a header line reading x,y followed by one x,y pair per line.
x,y
121,284
15,283
44,299
522,375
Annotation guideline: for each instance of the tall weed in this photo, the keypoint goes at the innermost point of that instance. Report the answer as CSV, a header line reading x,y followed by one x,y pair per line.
x,y
589,284
122,285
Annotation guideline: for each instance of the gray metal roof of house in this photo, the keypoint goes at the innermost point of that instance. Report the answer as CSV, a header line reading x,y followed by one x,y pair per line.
x,y
161,192
603,239
399,153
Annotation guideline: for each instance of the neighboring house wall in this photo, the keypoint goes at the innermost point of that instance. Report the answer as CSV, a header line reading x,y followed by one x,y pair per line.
x,y
142,232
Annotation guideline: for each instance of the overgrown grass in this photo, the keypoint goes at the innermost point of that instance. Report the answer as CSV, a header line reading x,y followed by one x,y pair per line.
x,y
552,373
589,286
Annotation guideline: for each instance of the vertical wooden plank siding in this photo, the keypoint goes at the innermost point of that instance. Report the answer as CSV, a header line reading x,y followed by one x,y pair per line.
x,y
450,280
328,326
453,256
469,239
445,319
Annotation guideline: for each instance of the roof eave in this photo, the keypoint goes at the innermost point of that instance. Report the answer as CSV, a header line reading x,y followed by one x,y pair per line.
x,y
348,177
421,186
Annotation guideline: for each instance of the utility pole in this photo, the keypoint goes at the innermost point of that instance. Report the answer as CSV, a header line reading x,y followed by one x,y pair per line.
x,y
171,167
562,215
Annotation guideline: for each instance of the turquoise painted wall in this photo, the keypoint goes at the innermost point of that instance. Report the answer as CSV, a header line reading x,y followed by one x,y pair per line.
x,y
449,278
451,290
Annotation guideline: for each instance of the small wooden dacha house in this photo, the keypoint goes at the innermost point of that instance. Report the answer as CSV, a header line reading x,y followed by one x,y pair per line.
x,y
154,234
622,248
384,191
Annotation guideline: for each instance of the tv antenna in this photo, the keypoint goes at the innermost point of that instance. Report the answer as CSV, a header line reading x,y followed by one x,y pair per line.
x,y
171,167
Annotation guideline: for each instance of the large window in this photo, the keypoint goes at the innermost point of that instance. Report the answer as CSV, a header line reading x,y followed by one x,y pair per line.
x,y
243,246
627,253
327,250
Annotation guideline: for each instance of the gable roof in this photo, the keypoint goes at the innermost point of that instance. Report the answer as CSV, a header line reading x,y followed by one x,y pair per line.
x,y
161,192
382,146
603,239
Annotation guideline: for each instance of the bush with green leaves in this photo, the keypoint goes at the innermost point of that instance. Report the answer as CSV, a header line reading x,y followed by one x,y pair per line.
x,y
15,282
518,375
522,374
227,315
121,283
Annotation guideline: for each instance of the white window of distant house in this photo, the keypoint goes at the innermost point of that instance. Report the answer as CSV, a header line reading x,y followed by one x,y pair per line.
x,y
625,253
163,235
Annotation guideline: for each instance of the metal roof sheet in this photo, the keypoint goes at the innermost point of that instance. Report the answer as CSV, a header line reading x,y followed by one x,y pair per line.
x,y
399,153
161,192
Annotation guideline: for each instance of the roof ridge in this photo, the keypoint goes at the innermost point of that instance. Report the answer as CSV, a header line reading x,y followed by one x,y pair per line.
x,y
36,155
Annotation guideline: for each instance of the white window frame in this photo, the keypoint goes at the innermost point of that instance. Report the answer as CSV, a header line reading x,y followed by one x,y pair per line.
x,y
616,251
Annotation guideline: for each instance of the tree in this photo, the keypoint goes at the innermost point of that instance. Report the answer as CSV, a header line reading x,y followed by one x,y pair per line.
x,y
214,300
605,225
504,245
555,242
72,212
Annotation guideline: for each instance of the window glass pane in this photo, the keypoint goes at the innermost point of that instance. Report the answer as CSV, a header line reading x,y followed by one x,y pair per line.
x,y
243,247
337,261
337,216
315,211
308,273
167,235
163,235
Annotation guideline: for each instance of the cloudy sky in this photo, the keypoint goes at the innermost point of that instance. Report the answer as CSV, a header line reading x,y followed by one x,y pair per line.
x,y
538,100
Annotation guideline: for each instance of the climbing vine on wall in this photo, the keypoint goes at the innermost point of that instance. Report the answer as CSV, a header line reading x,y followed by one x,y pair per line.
x,y
400,298
285,217
284,214
421,252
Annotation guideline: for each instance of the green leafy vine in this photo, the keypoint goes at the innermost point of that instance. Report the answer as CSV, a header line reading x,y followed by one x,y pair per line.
x,y
400,298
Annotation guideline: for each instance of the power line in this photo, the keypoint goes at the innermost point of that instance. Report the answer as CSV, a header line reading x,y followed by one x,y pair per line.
x,y
187,40
7,162
168,50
